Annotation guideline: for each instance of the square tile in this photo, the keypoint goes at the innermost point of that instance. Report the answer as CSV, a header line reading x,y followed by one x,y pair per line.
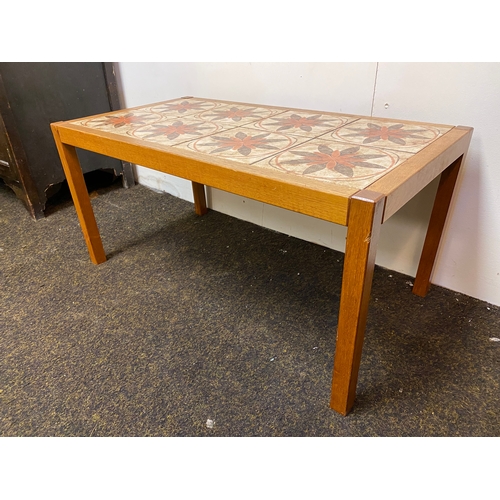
x,y
389,134
130,121
303,123
119,122
185,107
242,144
175,130
238,114
330,161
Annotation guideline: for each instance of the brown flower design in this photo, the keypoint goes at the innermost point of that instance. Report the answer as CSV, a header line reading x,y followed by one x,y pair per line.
x,y
174,130
181,107
344,161
242,143
235,114
118,121
305,123
393,133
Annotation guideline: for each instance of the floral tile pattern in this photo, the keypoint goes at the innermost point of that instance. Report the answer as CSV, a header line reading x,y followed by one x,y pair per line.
x,y
346,150
174,130
242,144
342,163
392,135
121,122
237,115
302,123
184,107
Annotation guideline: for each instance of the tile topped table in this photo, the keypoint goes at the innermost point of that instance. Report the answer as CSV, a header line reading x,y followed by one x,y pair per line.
x,y
351,170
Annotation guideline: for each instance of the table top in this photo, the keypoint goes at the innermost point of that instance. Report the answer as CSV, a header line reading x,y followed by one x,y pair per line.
x,y
332,147
336,153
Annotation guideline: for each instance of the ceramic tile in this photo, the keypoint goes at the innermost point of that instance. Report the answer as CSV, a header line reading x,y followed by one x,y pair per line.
x,y
172,131
391,135
242,144
121,122
301,123
185,107
127,122
331,161
153,124
237,114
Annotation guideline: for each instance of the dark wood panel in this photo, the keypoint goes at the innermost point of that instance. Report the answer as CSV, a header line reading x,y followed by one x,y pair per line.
x,y
6,162
36,94
17,175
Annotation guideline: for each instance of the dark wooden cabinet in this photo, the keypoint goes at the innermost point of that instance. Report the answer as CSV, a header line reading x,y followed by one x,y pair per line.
x,y
33,95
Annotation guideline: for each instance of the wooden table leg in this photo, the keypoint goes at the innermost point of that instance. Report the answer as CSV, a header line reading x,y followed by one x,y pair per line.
x,y
81,198
200,201
365,219
435,230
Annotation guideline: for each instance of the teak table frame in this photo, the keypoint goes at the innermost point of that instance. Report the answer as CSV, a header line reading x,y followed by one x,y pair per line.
x,y
363,211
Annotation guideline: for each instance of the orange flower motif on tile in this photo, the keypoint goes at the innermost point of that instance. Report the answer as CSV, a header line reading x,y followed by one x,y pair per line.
x,y
234,113
243,143
182,107
174,130
394,133
343,162
118,121
305,123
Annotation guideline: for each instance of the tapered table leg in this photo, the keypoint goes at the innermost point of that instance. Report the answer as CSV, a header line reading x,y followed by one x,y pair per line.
x,y
81,198
435,230
200,201
365,219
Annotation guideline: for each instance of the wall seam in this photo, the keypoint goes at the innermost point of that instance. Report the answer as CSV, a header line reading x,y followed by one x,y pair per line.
x,y
374,90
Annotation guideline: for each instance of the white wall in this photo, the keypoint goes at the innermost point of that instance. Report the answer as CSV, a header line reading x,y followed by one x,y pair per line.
x,y
451,93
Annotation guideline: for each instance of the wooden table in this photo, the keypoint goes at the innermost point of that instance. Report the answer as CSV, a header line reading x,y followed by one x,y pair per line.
x,y
351,170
